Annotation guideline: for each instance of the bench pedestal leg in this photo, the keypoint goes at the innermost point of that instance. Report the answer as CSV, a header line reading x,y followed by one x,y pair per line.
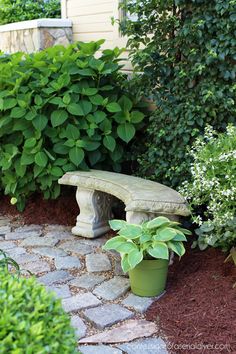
x,y
95,211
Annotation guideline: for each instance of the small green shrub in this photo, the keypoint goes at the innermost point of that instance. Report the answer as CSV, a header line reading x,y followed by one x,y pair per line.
x,y
32,320
213,188
23,10
186,50
62,109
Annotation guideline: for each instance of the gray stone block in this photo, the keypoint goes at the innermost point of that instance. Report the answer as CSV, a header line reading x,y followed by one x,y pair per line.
x,y
67,262
97,262
145,346
61,291
79,302
77,247
113,288
36,241
99,349
6,245
87,281
57,276
138,303
50,252
107,315
22,235
80,327
4,230
37,267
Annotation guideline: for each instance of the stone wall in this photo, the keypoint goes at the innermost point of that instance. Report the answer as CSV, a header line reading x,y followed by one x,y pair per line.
x,y
32,36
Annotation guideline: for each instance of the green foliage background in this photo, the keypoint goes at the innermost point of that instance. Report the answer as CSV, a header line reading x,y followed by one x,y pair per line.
x,y
61,110
32,320
186,50
23,10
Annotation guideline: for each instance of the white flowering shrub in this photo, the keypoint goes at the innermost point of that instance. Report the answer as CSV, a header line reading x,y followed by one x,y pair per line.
x,y
212,189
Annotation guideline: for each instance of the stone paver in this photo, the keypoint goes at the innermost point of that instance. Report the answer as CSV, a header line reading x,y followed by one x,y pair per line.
x,y
145,346
50,252
113,288
138,303
97,263
79,302
29,228
37,267
99,349
24,258
67,262
79,325
57,276
127,332
4,221
4,230
61,291
22,235
60,235
6,245
87,281
77,247
39,241
16,251
107,315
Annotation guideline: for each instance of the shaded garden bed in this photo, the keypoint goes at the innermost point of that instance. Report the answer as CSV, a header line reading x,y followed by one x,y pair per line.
x,y
199,305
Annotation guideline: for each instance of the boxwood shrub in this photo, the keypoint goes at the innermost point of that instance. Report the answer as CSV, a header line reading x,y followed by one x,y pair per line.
x,y
32,320
62,109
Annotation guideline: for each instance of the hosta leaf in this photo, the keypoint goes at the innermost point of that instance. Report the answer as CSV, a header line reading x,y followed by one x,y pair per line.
x,y
125,264
180,237
157,222
109,142
114,242
76,155
41,159
184,231
58,117
131,231
166,234
176,247
159,250
126,247
117,224
126,131
145,238
134,258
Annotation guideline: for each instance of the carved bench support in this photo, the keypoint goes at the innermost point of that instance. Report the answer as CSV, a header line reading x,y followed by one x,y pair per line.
x,y
95,211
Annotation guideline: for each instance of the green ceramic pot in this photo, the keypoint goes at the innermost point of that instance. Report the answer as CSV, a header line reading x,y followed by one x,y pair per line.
x,y
148,278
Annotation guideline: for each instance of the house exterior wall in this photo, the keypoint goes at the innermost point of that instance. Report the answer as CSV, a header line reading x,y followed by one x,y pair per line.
x,y
91,21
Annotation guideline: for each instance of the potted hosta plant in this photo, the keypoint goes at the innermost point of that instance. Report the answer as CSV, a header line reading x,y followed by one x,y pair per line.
x,y
145,251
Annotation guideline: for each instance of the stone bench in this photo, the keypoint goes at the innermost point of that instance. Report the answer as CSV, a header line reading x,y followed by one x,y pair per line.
x,y
143,199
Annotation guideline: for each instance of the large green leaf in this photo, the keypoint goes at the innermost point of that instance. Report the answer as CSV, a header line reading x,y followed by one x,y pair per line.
x,y
41,159
176,247
40,122
17,112
131,231
76,155
136,117
157,222
126,131
75,109
58,117
125,264
165,234
86,106
134,258
159,250
126,247
113,107
114,243
9,103
109,142
117,224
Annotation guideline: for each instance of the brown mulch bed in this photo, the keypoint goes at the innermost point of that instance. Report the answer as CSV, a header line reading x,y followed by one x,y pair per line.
x,y
62,211
199,307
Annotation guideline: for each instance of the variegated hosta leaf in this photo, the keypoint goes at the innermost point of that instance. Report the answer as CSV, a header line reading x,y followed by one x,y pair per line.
x,y
157,222
159,250
117,224
176,247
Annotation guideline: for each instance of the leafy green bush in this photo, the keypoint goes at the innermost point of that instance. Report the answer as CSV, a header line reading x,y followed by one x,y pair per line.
x,y
32,320
213,187
23,10
186,50
62,109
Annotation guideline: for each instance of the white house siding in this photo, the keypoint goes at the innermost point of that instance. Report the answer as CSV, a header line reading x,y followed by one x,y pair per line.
x,y
92,21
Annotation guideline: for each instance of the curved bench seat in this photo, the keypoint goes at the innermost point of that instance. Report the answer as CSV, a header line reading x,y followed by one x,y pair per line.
x,y
143,199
